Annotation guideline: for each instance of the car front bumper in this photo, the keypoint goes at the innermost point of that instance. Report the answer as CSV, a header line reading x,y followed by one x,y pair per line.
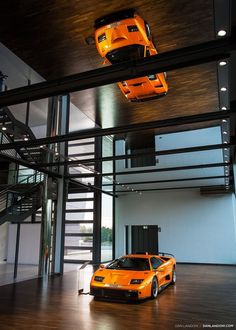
x,y
114,293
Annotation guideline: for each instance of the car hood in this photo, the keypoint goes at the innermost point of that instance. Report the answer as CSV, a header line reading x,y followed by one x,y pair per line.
x,y
121,277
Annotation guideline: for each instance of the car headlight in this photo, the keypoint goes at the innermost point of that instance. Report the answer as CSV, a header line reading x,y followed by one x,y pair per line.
x,y
132,28
136,281
102,37
98,278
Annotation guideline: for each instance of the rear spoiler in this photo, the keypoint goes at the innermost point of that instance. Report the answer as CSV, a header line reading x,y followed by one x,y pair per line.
x,y
166,254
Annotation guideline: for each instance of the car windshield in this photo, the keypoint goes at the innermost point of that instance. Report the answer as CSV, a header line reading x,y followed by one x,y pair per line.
x,y
123,54
130,264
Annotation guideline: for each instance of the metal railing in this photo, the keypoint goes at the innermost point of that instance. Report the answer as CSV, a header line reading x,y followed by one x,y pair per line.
x,y
6,201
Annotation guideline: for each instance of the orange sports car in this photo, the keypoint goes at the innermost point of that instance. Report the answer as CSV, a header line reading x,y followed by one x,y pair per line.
x,y
134,276
124,36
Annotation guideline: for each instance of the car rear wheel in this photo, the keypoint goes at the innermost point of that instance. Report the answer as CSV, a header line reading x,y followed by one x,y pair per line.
x,y
173,276
155,288
148,32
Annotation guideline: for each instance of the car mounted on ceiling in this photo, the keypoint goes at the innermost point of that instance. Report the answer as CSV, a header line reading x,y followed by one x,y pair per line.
x,y
134,277
124,36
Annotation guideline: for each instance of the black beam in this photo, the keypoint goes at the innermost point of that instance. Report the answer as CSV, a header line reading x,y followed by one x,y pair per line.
x,y
179,58
166,169
143,154
176,188
170,180
95,132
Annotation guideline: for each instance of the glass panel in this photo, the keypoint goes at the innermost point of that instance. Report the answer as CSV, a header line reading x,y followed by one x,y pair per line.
x,y
79,205
81,195
77,149
81,241
79,228
79,216
106,228
75,254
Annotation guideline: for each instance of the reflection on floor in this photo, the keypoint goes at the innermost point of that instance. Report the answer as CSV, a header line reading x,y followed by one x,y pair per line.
x,y
26,272
203,296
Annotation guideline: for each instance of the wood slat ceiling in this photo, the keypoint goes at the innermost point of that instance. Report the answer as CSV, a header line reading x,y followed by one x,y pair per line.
x,y
50,37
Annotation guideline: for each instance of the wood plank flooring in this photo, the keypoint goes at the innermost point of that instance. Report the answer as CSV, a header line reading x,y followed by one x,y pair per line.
x,y
202,295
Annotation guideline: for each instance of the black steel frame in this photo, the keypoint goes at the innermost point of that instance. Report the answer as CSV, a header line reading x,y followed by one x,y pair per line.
x,y
189,56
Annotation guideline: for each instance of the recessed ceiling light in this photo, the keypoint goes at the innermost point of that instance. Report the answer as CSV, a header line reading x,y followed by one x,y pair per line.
x,y
221,33
4,128
225,132
225,142
223,108
26,139
224,121
222,63
223,89
226,161
41,147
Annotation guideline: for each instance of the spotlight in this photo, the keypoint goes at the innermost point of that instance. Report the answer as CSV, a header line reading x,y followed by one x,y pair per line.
x,y
223,89
222,63
221,33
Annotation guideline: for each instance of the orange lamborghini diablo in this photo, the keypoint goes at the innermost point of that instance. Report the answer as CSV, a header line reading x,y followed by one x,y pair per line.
x,y
124,36
134,276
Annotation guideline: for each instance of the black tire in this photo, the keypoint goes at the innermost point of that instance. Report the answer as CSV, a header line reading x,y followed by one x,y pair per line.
x,y
155,288
173,280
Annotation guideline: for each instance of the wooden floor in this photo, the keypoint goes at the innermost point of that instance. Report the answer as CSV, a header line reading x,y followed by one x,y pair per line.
x,y
202,295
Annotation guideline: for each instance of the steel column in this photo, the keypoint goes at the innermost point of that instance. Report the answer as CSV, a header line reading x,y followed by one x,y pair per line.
x,y
46,223
97,206
59,231
17,250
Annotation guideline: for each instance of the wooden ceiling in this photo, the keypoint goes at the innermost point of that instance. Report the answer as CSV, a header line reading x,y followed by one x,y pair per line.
x,y
50,37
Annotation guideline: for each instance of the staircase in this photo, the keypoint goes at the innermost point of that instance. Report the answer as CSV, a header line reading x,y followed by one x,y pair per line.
x,y
12,130
21,200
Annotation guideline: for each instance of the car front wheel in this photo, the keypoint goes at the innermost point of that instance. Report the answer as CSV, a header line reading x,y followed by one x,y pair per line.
x,y
155,288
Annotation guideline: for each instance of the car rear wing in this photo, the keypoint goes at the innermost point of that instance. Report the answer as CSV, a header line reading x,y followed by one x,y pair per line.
x,y
165,254
114,17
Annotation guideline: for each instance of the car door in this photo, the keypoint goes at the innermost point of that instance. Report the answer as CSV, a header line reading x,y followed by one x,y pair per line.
x,y
157,267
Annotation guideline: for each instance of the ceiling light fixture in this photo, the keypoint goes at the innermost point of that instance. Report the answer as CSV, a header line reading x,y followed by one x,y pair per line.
x,y
4,128
225,132
224,121
222,63
26,139
223,108
221,33
223,89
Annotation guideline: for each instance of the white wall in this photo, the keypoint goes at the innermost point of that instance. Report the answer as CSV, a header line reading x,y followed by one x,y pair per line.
x,y
194,228
29,244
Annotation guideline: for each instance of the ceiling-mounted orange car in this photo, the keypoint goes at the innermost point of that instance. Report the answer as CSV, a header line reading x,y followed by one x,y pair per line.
x,y
124,36
134,276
